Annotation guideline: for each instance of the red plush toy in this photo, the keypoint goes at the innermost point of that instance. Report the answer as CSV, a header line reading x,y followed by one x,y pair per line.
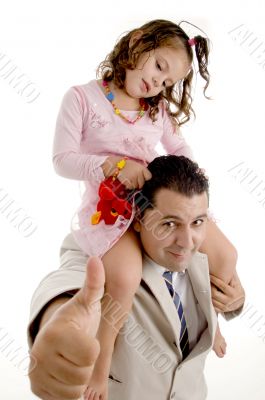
x,y
113,202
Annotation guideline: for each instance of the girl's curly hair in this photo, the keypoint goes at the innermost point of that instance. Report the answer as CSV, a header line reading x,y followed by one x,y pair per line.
x,y
155,34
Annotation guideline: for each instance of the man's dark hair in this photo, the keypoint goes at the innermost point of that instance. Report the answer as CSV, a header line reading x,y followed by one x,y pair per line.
x,y
176,173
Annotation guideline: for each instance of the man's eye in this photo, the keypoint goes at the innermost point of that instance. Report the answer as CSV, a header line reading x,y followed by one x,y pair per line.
x,y
169,224
198,222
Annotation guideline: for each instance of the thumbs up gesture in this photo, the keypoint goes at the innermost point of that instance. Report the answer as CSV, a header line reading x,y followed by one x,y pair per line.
x,y
66,348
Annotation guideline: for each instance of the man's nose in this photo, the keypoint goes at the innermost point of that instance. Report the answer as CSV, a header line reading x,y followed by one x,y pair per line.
x,y
185,239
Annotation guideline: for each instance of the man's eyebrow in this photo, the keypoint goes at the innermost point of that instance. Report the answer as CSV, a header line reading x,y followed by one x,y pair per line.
x,y
181,219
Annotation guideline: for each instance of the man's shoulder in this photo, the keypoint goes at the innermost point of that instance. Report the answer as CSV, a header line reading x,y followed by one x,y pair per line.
x,y
198,268
200,259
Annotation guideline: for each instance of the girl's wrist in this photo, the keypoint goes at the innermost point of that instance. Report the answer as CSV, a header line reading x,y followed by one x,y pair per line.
x,y
110,165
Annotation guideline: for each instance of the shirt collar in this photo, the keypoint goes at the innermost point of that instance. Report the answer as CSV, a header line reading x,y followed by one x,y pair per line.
x,y
159,268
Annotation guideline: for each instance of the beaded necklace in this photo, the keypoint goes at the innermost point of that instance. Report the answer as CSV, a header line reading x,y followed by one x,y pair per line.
x,y
110,97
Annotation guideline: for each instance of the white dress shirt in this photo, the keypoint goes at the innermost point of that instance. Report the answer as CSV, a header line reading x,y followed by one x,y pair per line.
x,y
195,318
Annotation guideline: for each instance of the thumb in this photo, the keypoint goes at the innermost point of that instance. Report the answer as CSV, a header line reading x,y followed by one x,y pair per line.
x,y
93,289
147,174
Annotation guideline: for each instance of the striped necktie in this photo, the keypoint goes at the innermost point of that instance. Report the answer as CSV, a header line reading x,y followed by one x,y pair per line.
x,y
183,338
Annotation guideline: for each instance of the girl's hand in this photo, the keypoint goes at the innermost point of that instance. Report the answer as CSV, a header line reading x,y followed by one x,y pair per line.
x,y
227,297
133,175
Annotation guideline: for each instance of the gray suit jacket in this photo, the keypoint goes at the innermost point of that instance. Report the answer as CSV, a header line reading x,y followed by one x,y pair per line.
x,y
147,362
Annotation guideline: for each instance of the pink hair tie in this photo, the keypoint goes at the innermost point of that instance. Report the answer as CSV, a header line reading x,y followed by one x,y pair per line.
x,y
192,42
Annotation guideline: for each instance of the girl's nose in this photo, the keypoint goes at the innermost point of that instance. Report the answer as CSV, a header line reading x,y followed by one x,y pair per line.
x,y
155,82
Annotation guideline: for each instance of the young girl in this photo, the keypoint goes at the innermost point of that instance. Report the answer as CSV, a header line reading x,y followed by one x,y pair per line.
x,y
110,127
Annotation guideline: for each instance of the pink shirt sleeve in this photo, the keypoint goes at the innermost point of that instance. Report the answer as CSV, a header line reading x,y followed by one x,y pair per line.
x,y
173,141
68,160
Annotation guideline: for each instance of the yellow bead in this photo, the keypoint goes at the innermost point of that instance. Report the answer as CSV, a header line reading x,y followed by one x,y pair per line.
x,y
121,164
117,111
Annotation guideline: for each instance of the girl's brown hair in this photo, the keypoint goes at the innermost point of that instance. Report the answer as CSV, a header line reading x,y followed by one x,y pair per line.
x,y
155,34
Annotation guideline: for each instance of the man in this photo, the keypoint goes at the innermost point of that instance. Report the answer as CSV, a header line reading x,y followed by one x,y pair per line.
x,y
161,350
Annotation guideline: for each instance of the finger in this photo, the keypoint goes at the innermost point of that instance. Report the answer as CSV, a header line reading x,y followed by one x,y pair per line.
x,y
87,392
140,180
91,394
59,390
219,296
128,183
236,304
147,174
235,281
231,301
77,346
225,288
44,394
223,307
93,288
65,372
97,396
219,307
48,388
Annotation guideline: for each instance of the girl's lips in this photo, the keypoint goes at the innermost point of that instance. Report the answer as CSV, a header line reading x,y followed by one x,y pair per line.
x,y
146,86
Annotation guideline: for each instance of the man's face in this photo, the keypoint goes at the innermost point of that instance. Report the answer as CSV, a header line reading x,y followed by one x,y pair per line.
x,y
174,229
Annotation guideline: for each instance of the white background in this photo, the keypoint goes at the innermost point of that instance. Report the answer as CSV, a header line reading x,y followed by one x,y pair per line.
x,y
59,44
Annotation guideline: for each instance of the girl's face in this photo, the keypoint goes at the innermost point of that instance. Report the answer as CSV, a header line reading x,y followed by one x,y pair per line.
x,y
156,70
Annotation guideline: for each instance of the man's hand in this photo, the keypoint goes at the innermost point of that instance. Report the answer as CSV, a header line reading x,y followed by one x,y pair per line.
x,y
65,349
227,297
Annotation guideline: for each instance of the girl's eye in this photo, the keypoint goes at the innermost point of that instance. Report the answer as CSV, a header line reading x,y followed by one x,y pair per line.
x,y
158,66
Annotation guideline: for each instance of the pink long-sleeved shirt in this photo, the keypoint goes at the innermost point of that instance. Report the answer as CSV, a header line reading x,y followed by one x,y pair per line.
x,y
87,132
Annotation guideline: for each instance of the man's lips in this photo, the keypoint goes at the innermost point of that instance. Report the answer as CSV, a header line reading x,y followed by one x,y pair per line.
x,y
177,254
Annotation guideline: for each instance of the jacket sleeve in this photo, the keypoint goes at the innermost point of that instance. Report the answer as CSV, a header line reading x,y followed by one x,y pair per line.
x,y
67,279
68,160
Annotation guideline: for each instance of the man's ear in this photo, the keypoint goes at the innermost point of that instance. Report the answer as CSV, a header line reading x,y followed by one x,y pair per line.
x,y
135,36
137,226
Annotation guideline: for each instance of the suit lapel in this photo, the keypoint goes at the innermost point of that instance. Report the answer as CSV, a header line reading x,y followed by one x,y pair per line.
x,y
159,289
198,271
199,276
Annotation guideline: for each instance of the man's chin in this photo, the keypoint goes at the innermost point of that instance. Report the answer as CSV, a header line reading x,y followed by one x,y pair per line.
x,y
181,264
179,259
180,268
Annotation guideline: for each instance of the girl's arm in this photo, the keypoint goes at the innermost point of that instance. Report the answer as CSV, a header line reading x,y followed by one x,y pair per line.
x,y
172,139
68,160
222,255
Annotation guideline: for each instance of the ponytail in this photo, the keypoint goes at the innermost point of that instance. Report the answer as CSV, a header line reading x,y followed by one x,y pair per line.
x,y
202,54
